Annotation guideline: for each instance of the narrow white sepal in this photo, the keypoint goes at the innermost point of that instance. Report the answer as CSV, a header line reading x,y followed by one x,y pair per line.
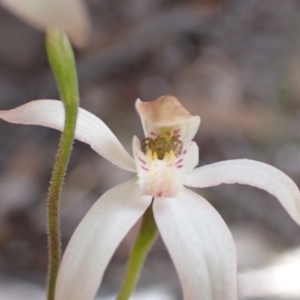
x,y
200,245
96,239
89,129
68,15
252,173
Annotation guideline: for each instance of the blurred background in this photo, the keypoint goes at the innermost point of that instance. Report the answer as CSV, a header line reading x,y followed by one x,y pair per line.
x,y
235,63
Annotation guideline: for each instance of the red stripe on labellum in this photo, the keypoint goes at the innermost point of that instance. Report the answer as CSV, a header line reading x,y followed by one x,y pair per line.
x,y
141,160
176,133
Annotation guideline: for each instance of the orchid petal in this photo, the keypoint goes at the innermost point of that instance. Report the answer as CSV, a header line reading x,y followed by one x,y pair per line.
x,y
167,112
200,245
95,240
68,15
89,129
253,173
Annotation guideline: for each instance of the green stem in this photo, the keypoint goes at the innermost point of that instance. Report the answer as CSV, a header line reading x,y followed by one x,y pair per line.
x,y
144,240
54,237
62,61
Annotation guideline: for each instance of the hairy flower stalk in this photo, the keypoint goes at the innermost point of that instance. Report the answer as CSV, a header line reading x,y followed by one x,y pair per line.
x,y
198,240
62,61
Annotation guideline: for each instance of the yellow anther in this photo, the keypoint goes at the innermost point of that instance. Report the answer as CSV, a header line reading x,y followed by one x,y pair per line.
x,y
172,155
149,153
155,157
166,156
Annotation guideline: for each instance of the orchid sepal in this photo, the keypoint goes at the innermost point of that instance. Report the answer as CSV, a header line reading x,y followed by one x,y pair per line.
x,y
89,129
200,245
250,172
96,239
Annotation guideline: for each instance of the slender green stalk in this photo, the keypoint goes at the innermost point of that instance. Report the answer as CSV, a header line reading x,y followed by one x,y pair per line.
x,y
144,240
61,58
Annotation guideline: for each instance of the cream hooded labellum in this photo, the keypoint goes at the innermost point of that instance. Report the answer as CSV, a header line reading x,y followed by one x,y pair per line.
x,y
70,16
165,161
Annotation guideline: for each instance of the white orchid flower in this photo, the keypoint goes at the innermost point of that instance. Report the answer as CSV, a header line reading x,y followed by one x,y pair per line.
x,y
68,15
198,240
